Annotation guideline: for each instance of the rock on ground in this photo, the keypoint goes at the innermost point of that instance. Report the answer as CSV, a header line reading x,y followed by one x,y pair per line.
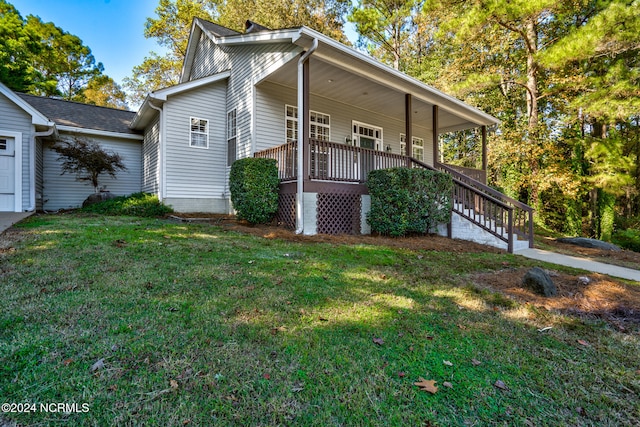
x,y
586,242
540,282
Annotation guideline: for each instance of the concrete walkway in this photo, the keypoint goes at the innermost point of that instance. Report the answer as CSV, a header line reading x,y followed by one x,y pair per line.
x,y
7,219
581,263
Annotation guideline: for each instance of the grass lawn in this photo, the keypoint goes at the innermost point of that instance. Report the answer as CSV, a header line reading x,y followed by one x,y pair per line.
x,y
151,322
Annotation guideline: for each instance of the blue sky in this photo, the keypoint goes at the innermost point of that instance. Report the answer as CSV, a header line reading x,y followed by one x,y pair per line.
x,y
113,29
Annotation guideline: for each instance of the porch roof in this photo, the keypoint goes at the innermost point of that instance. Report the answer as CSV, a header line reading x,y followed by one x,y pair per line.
x,y
344,74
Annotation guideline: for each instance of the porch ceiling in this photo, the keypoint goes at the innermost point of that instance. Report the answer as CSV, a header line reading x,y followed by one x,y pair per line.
x,y
348,85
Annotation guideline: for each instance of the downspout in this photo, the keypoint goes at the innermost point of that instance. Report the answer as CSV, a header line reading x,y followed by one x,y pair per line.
x,y
160,151
300,181
32,166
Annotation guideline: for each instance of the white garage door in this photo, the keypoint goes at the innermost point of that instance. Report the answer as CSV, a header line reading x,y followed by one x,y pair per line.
x,y
7,174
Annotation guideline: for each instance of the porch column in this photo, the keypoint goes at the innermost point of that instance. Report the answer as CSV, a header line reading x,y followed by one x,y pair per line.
x,y
436,154
408,127
484,148
303,117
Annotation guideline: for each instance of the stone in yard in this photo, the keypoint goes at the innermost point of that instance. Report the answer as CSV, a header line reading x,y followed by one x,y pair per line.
x,y
585,242
97,198
539,281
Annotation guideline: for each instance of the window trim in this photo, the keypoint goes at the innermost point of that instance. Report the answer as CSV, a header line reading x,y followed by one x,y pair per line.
x,y
295,122
193,132
228,138
414,139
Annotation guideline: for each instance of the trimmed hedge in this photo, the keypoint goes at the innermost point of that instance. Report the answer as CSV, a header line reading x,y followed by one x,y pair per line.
x,y
254,189
406,201
137,204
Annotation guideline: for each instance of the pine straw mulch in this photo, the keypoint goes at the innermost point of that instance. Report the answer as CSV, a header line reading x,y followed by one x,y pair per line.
x,y
597,297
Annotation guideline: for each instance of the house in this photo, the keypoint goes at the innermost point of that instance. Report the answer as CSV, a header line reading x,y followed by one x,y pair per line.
x,y
254,93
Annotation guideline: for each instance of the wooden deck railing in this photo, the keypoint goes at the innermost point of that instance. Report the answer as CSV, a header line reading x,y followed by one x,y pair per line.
x,y
477,174
473,198
500,215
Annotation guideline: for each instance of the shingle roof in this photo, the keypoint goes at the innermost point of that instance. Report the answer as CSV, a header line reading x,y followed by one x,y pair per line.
x,y
76,114
215,29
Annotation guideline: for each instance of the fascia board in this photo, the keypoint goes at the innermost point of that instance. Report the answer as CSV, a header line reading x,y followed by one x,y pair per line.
x,y
37,118
97,132
275,36
194,36
162,94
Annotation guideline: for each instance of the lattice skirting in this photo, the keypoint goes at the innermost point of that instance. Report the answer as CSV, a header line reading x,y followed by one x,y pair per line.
x,y
338,213
286,215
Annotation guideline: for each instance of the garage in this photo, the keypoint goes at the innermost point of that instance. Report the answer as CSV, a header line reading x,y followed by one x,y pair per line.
x,y
7,174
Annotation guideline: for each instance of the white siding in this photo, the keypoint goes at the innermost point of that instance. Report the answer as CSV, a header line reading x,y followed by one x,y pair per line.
x,y
39,177
193,172
271,99
247,63
150,158
15,119
209,59
64,191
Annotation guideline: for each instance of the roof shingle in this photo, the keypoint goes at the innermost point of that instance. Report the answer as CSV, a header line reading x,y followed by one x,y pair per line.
x,y
76,114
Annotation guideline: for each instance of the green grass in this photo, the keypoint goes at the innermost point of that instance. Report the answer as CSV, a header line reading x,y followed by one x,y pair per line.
x,y
198,325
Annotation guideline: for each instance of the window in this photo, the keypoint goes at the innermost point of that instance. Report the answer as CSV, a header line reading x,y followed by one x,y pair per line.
x,y
319,125
3,144
417,146
291,124
199,134
232,136
319,128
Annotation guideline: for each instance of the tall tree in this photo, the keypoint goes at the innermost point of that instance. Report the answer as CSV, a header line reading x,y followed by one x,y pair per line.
x,y
17,48
63,57
43,59
388,28
104,91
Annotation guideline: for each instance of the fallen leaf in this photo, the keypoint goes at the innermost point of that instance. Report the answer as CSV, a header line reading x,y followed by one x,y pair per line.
x,y
580,410
323,319
501,385
475,362
446,362
185,422
173,384
447,384
401,374
98,365
383,277
112,387
427,385
462,327
430,338
583,342
266,376
378,341
411,348
545,329
67,362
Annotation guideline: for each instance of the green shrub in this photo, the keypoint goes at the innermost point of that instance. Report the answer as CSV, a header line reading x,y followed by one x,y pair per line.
x,y
254,189
407,200
137,204
628,239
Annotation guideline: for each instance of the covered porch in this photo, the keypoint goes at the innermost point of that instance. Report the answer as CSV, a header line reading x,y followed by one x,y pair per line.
x,y
342,115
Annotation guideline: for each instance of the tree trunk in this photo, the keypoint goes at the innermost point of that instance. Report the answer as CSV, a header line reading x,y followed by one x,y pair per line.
x,y
531,41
